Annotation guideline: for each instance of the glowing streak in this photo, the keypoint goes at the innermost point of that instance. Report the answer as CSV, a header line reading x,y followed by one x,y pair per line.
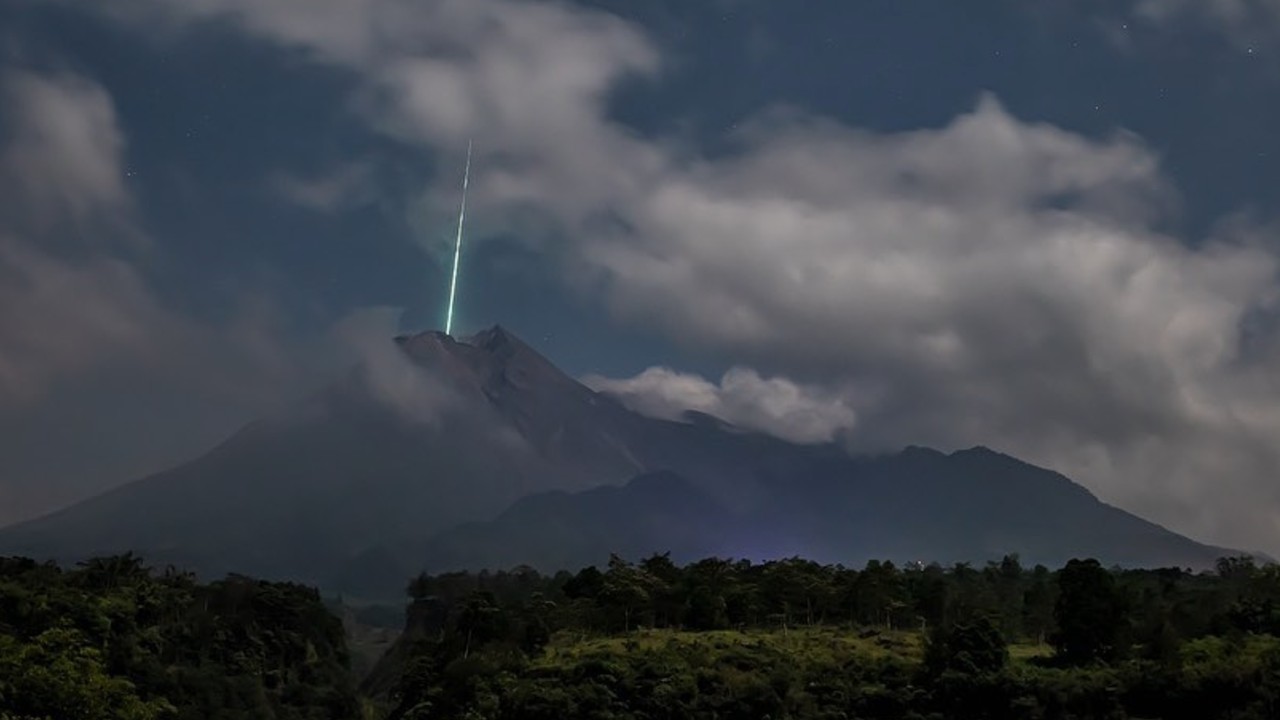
x,y
457,247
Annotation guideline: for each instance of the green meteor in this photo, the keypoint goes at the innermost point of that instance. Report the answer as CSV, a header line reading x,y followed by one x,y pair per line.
x,y
457,247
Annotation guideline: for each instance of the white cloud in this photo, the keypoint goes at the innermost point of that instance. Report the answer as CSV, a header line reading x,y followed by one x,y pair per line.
x,y
775,406
990,281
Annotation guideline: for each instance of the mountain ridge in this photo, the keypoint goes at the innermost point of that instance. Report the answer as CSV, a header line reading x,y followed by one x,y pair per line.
x,y
516,542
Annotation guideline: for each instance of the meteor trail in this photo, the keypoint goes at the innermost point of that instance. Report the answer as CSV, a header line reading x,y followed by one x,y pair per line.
x,y
457,247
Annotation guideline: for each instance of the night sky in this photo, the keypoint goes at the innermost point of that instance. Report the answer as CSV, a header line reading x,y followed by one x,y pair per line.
x,y
1045,227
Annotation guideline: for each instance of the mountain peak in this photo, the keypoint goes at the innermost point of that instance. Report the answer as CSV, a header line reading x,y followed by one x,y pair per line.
x,y
978,451
494,361
429,338
505,353
497,340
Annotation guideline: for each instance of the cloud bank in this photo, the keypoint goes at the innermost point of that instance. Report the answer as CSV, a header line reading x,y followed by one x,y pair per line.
x,y
989,281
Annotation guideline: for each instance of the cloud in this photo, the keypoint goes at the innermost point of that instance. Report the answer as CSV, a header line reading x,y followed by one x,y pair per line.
x,y
60,163
349,185
1234,14
101,380
990,281
1243,21
63,154
71,301
775,406
529,82
388,373
58,317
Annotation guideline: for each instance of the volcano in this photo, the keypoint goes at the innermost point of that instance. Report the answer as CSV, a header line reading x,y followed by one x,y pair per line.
x,y
442,454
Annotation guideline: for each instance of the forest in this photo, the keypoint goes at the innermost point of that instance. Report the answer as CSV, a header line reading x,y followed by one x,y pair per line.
x,y
115,639
795,639
716,638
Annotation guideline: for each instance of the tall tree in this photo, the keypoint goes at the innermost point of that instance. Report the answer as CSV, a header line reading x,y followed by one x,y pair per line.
x,y
626,590
1090,612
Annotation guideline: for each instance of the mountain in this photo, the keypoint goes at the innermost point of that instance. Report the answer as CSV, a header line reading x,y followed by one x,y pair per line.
x,y
917,505
432,433
443,453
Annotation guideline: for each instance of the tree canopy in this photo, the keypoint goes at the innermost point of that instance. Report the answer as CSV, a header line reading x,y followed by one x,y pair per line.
x,y
112,639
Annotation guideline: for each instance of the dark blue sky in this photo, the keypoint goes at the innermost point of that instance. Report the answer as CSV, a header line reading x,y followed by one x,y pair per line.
x,y
223,106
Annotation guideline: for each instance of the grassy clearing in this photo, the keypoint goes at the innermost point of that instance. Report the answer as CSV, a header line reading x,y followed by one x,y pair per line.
x,y
826,644
821,644
1025,652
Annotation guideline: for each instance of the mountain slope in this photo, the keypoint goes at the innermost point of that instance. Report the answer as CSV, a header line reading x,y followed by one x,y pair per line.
x,y
442,452
451,431
559,530
973,505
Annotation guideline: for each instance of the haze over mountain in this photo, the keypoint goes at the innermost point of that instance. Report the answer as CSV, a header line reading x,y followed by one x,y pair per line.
x,y
479,452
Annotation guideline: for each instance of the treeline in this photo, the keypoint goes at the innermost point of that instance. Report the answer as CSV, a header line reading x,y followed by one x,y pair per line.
x,y
112,639
1129,610
1120,643
712,639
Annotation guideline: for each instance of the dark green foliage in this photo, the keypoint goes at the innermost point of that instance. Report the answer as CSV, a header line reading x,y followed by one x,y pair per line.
x,y
1090,613
795,639
114,640
625,592
714,639
586,584
974,648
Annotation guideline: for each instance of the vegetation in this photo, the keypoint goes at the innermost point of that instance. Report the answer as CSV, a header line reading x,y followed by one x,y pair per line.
x,y
794,639
111,639
713,639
